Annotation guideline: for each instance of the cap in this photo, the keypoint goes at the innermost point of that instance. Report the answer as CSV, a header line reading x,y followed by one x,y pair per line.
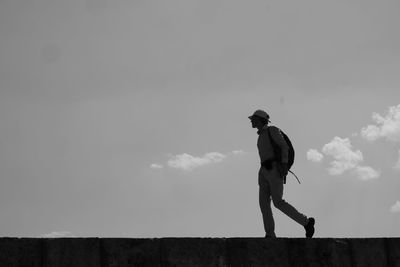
x,y
260,113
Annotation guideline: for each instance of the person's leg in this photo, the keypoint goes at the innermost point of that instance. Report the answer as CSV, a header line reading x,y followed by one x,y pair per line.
x,y
276,187
265,204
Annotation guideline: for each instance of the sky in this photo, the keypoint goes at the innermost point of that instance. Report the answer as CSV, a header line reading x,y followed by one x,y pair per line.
x,y
129,118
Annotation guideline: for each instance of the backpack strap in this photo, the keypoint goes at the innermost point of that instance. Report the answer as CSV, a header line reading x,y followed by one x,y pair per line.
x,y
295,176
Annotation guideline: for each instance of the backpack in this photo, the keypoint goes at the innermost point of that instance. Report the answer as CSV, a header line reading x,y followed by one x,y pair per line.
x,y
278,154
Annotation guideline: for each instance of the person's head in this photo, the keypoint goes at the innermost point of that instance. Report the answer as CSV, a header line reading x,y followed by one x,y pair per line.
x,y
259,119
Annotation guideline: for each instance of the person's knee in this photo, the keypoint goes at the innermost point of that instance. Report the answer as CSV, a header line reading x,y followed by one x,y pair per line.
x,y
265,204
278,202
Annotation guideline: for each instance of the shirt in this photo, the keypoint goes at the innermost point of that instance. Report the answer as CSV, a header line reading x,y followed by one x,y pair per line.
x,y
264,145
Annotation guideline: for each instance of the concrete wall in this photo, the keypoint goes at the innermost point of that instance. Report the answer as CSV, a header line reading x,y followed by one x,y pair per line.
x,y
124,252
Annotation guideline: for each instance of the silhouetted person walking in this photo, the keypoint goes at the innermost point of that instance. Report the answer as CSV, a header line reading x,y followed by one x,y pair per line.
x,y
272,174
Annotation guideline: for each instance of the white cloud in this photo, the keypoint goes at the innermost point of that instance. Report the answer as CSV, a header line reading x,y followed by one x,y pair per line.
x,y
188,162
314,155
156,166
395,208
345,158
237,152
366,173
371,132
387,126
58,234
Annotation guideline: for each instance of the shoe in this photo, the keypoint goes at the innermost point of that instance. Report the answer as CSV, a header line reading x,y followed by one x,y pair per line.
x,y
270,236
310,227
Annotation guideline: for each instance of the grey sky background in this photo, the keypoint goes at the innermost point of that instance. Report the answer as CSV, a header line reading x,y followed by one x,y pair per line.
x,y
129,118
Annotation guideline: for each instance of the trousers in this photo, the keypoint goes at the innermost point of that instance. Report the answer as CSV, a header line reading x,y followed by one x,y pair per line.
x,y
271,188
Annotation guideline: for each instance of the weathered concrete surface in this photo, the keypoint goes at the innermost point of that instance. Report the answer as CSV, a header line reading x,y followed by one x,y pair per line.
x,y
393,251
68,252
257,252
193,252
20,252
124,252
369,252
